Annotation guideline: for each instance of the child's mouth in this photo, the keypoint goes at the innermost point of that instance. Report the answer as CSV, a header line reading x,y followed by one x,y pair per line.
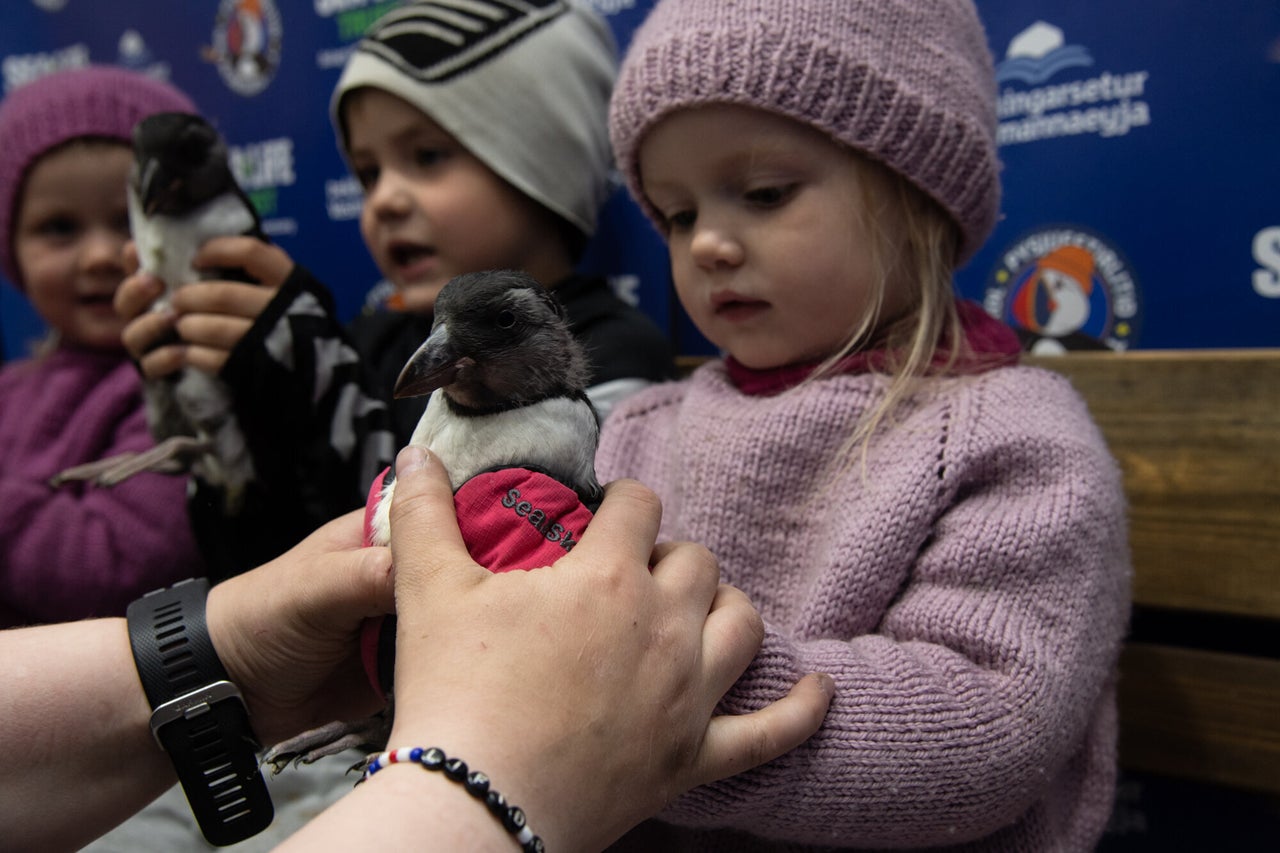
x,y
735,310
406,255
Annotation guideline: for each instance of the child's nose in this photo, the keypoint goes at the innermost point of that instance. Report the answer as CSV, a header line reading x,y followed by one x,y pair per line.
x,y
390,195
103,249
714,246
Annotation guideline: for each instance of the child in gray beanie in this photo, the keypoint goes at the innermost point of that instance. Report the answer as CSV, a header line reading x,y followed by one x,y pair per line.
x,y
479,134
938,528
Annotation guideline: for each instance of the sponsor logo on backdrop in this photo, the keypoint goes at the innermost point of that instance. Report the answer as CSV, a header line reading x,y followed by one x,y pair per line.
x,y
626,286
1031,108
22,68
262,168
1065,288
351,18
343,198
1266,253
132,52
246,44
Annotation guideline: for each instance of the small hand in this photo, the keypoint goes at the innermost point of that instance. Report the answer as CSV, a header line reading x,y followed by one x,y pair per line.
x,y
209,318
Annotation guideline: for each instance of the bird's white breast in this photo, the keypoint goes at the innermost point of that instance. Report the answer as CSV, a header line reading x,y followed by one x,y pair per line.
x,y
166,244
556,435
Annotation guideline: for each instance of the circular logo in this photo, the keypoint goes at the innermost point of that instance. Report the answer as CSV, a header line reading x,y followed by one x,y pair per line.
x,y
246,44
1065,288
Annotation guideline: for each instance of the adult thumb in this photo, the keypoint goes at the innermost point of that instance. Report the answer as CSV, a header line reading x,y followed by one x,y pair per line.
x,y
426,544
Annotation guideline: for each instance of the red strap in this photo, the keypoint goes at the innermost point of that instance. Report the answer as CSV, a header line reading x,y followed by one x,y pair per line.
x,y
510,519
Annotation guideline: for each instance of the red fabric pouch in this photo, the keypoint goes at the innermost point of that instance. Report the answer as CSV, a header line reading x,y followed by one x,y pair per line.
x,y
513,518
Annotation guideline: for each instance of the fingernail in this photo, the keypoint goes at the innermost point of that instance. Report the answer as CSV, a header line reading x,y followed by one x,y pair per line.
x,y
827,683
410,459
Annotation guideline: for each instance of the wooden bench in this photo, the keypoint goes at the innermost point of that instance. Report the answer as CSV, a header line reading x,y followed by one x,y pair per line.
x,y
1197,434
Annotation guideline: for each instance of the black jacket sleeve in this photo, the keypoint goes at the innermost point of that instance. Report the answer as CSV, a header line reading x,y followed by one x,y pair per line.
x,y
316,433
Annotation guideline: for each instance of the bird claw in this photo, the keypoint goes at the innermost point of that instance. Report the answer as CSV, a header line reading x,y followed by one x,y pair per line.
x,y
329,739
89,471
171,456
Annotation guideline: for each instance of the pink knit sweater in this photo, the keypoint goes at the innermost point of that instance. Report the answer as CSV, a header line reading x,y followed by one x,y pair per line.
x,y
968,590
81,551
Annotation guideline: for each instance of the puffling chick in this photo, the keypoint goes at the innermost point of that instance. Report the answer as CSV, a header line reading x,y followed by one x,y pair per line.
x,y
507,379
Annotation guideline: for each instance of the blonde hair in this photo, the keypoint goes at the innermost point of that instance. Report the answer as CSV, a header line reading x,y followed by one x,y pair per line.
x,y
913,249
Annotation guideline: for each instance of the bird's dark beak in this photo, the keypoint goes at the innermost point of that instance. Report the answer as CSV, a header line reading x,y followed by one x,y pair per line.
x,y
153,187
145,186
433,366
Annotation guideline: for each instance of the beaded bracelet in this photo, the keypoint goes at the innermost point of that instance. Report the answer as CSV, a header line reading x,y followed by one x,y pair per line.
x,y
476,783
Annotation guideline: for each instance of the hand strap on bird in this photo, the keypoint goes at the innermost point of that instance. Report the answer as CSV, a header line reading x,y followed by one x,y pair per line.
x,y
198,716
511,519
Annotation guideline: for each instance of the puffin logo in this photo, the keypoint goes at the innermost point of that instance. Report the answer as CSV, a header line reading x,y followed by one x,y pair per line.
x,y
1065,289
246,44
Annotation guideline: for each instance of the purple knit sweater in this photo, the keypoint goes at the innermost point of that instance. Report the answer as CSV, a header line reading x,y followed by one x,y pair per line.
x,y
968,590
81,551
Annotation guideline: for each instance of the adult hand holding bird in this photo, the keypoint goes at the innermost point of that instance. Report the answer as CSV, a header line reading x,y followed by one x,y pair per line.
x,y
510,422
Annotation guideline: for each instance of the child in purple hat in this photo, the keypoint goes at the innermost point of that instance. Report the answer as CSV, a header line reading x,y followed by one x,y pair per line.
x,y
76,552
938,528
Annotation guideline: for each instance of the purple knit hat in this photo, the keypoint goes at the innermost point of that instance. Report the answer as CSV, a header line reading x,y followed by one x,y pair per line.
x,y
98,101
908,82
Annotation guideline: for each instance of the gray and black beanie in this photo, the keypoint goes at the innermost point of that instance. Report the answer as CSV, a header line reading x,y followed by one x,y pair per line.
x,y
523,86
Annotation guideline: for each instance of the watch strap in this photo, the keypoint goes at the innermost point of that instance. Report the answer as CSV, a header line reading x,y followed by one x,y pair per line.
x,y
198,715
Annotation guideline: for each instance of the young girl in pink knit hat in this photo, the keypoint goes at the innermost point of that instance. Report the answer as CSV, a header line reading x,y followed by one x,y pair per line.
x,y
940,529
76,552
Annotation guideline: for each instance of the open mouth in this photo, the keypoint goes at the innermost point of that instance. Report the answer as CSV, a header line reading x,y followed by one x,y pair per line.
x,y
406,255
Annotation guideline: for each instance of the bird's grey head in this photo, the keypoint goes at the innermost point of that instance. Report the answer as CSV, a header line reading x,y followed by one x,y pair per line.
x,y
500,340
179,163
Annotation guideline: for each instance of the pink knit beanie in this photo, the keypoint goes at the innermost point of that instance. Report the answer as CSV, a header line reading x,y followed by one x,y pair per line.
x,y
98,101
908,82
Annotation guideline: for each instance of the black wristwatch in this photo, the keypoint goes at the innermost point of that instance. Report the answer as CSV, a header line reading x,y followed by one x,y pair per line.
x,y
197,715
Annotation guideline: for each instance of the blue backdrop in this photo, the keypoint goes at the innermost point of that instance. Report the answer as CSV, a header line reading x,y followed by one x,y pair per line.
x,y
1140,145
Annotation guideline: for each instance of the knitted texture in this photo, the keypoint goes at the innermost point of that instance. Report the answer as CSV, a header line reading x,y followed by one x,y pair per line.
x,y
99,101
967,590
908,82
79,552
523,87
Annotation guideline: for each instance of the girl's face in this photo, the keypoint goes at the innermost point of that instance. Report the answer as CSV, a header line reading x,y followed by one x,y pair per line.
x,y
770,250
70,231
432,210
